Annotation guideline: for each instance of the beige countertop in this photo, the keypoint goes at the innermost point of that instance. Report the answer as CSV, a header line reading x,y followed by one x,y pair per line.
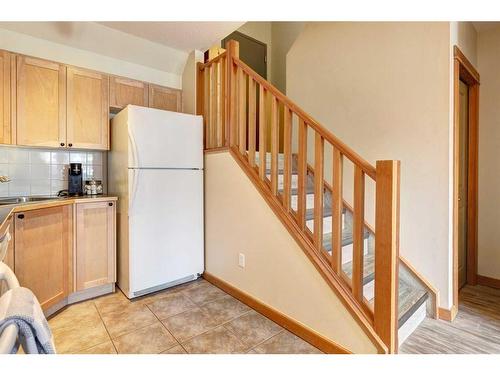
x,y
7,210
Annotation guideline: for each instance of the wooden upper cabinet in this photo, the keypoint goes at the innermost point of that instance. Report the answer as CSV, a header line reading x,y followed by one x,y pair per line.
x,y
165,98
40,102
88,109
43,244
124,91
95,244
5,97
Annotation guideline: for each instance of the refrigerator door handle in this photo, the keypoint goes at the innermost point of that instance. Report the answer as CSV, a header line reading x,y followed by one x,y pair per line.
x,y
133,147
135,179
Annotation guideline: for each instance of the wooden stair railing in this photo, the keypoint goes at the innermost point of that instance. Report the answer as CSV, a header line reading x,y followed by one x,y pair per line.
x,y
252,119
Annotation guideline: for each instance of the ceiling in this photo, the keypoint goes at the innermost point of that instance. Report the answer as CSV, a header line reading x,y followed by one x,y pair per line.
x,y
160,45
484,26
184,36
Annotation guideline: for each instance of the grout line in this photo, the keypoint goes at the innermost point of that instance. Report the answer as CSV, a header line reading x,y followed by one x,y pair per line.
x,y
164,326
104,324
214,327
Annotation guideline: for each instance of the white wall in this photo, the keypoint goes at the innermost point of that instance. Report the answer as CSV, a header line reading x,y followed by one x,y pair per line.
x,y
277,271
283,35
29,45
189,82
489,146
384,89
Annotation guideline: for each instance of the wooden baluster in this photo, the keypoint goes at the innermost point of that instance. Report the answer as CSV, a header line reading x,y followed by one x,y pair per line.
x,y
357,233
337,210
262,133
232,51
206,105
214,107
387,252
242,112
223,101
274,145
251,122
200,84
220,114
302,174
318,190
287,151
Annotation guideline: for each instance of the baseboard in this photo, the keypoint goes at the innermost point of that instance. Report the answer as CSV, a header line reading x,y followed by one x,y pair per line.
x,y
319,262
216,150
322,343
433,292
488,281
448,315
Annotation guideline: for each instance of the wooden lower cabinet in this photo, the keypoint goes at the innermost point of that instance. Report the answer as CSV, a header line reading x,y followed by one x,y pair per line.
x,y
95,244
9,257
43,242
8,227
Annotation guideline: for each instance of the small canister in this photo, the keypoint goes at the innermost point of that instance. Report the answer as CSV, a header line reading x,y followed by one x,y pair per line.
x,y
88,187
98,186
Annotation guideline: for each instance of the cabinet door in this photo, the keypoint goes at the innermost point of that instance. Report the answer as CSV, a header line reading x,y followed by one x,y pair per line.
x,y
165,98
43,241
124,91
5,92
9,257
88,109
95,244
41,103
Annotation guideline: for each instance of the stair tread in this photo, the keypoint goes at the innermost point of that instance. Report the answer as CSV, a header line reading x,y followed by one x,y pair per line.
x,y
368,268
346,239
409,301
409,298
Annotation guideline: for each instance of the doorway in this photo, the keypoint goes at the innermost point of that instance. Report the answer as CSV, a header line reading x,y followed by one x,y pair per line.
x,y
252,52
465,172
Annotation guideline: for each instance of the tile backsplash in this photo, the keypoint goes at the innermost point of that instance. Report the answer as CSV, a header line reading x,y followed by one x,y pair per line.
x,y
34,171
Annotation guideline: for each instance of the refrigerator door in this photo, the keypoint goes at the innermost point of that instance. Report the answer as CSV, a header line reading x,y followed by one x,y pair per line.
x,y
165,226
164,139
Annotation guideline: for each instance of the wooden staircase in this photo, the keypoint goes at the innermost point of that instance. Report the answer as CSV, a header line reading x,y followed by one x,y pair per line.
x,y
291,158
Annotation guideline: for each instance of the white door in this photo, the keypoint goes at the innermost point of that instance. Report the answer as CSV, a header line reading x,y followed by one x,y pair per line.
x,y
164,139
166,226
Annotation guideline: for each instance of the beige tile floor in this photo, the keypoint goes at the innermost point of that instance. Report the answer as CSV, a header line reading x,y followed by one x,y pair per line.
x,y
192,318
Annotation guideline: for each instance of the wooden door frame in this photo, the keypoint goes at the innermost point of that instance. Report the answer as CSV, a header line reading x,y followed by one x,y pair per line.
x,y
464,71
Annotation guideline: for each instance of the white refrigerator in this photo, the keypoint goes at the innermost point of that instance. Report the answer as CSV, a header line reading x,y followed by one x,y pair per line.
x,y
155,167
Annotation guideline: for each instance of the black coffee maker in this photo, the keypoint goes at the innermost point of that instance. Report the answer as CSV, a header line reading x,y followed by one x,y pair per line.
x,y
75,186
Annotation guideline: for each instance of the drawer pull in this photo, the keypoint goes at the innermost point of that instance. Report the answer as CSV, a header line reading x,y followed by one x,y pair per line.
x,y
110,204
20,216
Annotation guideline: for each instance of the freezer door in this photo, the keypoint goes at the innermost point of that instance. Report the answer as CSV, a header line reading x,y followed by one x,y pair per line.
x,y
165,226
164,139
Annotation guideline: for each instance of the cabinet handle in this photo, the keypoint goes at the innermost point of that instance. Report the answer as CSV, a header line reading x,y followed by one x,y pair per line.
x,y
62,144
110,204
70,144
20,216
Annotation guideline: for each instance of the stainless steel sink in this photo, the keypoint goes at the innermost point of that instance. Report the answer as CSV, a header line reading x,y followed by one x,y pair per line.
x,y
20,200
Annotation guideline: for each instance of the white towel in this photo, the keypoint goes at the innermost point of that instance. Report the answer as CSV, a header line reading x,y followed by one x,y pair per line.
x,y
19,306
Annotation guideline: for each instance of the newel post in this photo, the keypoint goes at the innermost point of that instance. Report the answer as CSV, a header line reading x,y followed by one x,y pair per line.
x,y
387,252
232,50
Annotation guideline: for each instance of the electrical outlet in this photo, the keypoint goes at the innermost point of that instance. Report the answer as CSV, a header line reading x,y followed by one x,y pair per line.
x,y
241,260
